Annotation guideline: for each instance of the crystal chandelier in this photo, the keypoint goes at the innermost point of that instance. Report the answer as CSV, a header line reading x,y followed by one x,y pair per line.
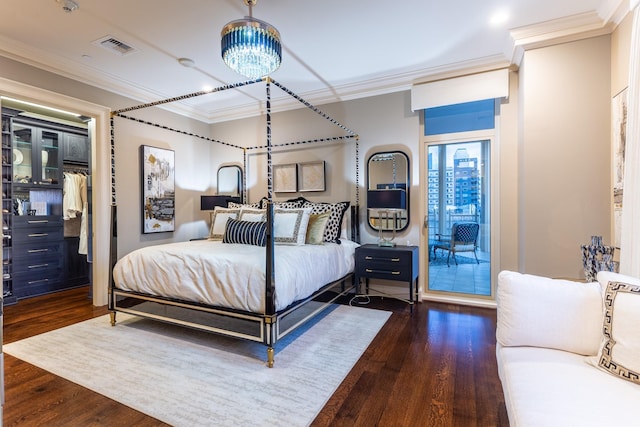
x,y
251,47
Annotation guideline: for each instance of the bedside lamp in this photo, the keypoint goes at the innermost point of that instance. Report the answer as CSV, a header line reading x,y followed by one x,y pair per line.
x,y
388,201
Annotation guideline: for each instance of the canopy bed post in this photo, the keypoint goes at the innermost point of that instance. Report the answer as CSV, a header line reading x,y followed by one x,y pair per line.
x,y
113,232
270,305
244,176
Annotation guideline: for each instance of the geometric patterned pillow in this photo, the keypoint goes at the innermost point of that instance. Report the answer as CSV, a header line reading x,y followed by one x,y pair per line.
x,y
252,214
219,219
290,225
245,232
333,229
619,352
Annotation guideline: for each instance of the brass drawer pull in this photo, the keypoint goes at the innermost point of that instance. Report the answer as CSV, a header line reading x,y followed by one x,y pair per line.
x,y
38,235
395,273
369,258
39,221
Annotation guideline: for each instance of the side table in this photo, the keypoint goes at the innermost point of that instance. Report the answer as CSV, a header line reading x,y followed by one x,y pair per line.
x,y
398,263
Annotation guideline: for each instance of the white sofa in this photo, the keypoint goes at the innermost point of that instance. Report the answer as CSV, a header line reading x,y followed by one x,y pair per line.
x,y
549,342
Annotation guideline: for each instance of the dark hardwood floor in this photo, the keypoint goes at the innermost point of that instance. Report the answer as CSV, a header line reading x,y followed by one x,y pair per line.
x,y
436,367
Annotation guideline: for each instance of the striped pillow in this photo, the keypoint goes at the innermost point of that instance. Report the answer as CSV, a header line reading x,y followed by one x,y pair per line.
x,y
245,232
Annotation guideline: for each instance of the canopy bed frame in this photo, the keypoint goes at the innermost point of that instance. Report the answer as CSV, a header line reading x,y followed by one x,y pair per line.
x,y
265,326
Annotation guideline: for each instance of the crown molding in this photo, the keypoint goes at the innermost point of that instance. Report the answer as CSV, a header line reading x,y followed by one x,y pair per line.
x,y
614,11
563,30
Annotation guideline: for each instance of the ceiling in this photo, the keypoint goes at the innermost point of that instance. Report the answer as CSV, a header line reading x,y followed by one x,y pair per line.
x,y
333,50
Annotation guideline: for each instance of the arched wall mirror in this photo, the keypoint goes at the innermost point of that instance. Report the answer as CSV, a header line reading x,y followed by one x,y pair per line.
x,y
230,181
388,184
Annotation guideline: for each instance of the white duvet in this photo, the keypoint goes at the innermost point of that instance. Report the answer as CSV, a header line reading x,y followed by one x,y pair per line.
x,y
232,275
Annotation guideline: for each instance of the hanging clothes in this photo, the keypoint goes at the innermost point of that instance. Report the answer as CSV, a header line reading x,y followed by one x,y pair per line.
x,y
75,208
72,198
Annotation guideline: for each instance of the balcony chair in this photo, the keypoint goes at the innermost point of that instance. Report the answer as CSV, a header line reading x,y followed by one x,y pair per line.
x,y
464,238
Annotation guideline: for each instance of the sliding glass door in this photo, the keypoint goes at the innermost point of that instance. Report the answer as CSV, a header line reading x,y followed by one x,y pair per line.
x,y
458,217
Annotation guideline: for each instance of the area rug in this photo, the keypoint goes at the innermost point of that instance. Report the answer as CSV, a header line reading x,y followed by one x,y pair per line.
x,y
190,378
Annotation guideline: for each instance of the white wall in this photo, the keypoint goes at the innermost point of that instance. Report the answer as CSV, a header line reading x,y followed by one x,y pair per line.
x,y
383,123
564,155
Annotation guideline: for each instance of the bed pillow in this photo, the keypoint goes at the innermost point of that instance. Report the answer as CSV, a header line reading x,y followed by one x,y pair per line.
x,y
255,205
219,219
249,214
245,232
316,227
333,229
289,204
619,352
290,225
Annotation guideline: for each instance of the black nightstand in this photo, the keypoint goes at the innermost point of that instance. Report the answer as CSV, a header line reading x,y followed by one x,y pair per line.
x,y
390,263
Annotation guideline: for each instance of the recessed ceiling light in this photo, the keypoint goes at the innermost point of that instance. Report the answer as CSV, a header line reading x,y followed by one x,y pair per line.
x,y
186,62
499,17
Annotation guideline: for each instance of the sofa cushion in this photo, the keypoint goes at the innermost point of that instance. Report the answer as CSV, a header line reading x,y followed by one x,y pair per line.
x,y
552,313
545,387
619,352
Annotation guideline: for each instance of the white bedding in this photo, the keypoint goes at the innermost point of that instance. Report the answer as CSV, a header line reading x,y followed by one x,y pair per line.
x,y
232,275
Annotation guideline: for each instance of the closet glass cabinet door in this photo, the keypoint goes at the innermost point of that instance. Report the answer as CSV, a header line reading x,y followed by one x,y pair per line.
x,y
23,139
36,156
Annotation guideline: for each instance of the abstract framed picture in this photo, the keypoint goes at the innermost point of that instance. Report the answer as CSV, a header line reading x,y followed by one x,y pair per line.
x,y
285,178
619,126
311,176
158,189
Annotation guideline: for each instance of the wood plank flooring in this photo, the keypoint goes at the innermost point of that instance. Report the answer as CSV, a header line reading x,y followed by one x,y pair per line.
x,y
435,367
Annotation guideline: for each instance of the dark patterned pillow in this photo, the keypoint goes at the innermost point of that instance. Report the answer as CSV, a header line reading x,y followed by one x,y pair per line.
x,y
245,232
255,205
333,229
289,204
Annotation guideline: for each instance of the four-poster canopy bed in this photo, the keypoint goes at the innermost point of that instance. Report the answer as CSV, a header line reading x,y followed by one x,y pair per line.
x,y
169,283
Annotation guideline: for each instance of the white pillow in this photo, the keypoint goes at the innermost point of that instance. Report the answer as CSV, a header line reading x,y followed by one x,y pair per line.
x,y
219,219
551,313
619,352
290,225
253,215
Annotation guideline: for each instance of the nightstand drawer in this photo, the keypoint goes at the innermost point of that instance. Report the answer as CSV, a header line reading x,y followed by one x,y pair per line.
x,y
386,272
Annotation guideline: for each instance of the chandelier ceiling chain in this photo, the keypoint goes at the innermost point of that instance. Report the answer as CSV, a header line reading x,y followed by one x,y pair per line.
x,y
250,46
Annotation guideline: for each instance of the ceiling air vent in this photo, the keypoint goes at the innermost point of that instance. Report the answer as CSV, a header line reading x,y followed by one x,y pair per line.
x,y
114,45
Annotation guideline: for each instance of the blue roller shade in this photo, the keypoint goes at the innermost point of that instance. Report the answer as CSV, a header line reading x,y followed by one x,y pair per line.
x,y
465,117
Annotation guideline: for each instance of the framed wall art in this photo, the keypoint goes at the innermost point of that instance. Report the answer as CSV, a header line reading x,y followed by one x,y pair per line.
x,y
619,126
311,176
285,178
158,189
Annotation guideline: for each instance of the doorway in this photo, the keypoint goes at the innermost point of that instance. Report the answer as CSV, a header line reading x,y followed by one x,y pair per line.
x,y
458,217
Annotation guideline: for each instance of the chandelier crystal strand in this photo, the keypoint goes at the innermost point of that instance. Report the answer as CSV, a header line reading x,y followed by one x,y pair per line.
x,y
251,47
